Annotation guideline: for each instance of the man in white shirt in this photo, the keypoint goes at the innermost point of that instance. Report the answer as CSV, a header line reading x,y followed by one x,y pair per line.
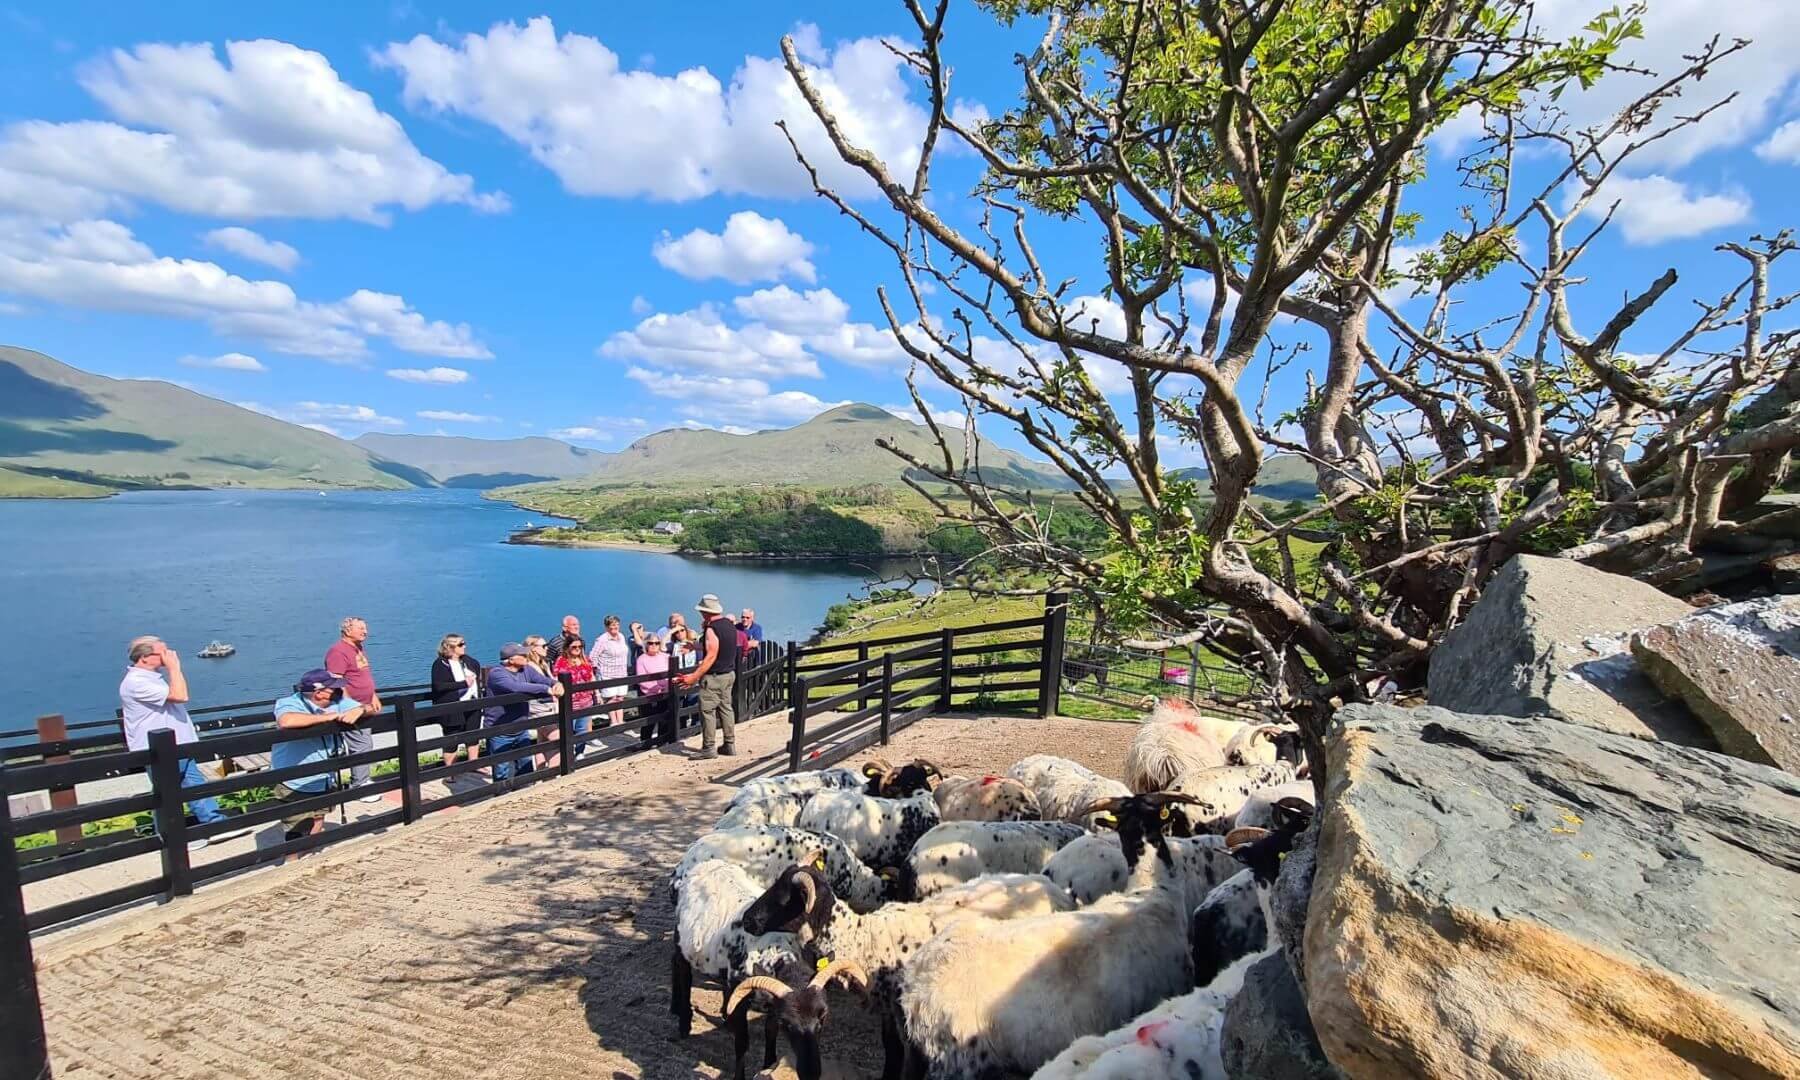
x,y
153,697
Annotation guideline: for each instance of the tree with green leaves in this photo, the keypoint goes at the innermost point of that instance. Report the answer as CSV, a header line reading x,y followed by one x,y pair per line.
x,y
1236,162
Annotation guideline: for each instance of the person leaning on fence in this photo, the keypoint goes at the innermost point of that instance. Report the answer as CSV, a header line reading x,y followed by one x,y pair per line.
x,y
149,702
347,660
537,658
514,675
320,706
575,664
653,682
750,632
717,676
457,677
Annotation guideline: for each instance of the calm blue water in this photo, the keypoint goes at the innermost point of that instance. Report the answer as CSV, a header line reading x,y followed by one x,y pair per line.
x,y
274,572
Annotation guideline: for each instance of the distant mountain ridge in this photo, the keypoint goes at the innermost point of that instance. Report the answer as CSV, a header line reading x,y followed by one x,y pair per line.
x,y
1282,477
458,461
67,431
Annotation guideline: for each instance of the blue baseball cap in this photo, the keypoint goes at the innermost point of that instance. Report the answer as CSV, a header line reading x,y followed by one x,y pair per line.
x,y
318,679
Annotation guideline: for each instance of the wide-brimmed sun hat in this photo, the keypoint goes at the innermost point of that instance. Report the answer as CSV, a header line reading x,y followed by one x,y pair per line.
x,y
709,605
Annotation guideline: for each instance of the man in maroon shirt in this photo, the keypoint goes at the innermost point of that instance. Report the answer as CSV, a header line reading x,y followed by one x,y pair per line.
x,y
347,661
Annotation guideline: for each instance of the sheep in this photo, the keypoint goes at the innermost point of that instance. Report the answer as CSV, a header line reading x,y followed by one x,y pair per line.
x,y
1258,811
880,831
800,1012
882,941
794,783
1180,1039
958,851
1219,793
1265,744
1064,788
765,851
887,782
774,809
1094,866
1227,926
710,937
985,798
981,998
1172,740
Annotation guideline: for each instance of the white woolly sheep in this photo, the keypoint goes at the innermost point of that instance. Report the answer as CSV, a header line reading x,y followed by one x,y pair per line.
x,y
1064,789
710,937
880,831
1263,744
1219,793
1172,740
882,941
985,798
798,783
959,851
781,809
766,850
1227,925
982,999
1094,866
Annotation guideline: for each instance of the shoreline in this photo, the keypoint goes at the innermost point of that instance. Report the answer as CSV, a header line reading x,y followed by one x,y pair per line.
x,y
529,537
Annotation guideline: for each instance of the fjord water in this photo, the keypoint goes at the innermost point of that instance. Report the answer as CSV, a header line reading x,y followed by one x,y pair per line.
x,y
273,572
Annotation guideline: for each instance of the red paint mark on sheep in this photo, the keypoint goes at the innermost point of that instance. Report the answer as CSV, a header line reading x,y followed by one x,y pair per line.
x,y
1148,1033
989,779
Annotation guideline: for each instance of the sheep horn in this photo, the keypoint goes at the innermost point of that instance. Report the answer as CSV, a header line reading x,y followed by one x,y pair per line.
x,y
850,969
1249,834
804,883
876,767
766,983
930,769
1101,806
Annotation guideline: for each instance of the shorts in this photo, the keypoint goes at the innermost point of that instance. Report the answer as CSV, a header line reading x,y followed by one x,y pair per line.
x,y
283,793
612,693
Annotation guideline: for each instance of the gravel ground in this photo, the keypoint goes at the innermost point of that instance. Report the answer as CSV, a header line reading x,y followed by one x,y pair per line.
x,y
525,938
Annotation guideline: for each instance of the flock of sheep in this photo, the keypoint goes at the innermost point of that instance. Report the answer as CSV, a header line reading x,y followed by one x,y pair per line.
x,y
1050,922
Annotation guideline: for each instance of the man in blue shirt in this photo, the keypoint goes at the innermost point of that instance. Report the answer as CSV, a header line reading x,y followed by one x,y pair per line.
x,y
514,676
317,706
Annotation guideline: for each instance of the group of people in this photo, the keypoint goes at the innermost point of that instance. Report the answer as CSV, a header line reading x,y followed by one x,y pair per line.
x,y
328,701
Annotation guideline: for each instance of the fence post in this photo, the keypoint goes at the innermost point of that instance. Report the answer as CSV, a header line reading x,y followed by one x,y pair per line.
x,y
887,695
737,689
406,734
798,713
946,652
1056,627
171,819
52,729
793,659
862,675
565,724
672,718
23,1049
1194,673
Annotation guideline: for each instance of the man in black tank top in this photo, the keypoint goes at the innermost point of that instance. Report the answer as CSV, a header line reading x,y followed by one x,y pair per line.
x,y
717,676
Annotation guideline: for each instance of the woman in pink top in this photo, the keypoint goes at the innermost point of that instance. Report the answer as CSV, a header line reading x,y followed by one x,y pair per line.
x,y
611,655
654,662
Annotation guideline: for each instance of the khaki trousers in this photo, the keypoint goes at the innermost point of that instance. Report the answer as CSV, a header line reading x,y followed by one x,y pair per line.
x,y
716,713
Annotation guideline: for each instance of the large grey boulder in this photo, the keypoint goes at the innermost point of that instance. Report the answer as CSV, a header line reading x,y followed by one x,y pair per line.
x,y
1503,897
1737,666
1550,637
1267,1034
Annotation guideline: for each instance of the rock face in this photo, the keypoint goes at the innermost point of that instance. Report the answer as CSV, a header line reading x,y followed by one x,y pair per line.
x,y
1267,1034
1500,897
1737,667
1550,637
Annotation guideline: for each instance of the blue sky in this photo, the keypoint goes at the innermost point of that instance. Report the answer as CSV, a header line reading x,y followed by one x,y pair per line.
x,y
499,220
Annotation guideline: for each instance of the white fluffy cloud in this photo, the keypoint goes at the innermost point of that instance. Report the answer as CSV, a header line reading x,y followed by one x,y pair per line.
x,y
580,433
103,266
751,248
254,246
700,339
716,399
231,361
1783,144
951,418
444,416
440,376
1655,208
815,311
348,414
607,131
270,132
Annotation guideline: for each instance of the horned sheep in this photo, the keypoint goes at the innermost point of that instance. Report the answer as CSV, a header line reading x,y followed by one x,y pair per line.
x,y
880,831
710,937
1094,866
763,852
1065,789
959,851
985,798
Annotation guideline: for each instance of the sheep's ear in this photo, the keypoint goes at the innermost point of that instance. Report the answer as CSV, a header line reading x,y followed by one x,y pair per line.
x,y
1105,821
1292,813
1243,837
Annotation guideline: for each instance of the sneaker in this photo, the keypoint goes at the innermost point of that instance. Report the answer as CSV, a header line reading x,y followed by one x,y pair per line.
x,y
371,798
728,750
232,834
196,845
707,753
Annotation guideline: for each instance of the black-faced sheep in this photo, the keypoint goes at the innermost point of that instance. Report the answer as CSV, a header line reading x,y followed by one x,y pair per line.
x,y
1065,789
983,999
1227,926
1258,811
959,851
800,1012
985,798
887,782
1219,793
880,831
1265,744
764,851
882,941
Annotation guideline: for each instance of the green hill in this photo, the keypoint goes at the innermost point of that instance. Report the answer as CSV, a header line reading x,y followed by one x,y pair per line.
x,y
1283,477
460,462
67,432
837,448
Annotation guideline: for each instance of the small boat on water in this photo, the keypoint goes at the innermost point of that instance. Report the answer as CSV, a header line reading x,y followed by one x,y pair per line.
x,y
216,649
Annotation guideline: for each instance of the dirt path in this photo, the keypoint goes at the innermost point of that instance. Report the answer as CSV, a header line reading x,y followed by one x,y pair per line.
x,y
525,938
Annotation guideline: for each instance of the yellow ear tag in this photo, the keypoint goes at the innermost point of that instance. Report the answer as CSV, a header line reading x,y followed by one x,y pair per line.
x,y
1165,813
822,964
819,864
